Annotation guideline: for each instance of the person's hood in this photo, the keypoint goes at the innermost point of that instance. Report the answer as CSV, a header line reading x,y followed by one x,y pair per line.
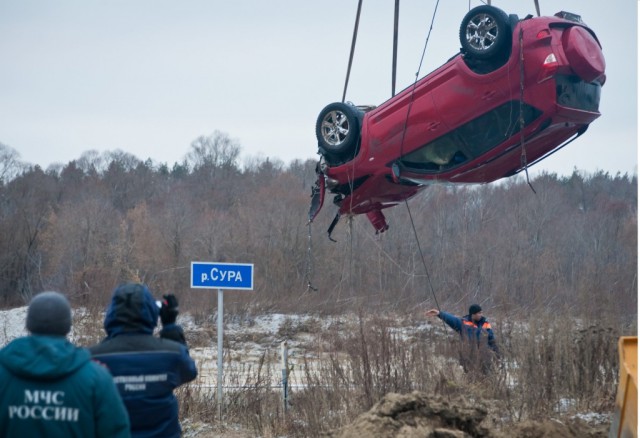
x,y
40,357
132,310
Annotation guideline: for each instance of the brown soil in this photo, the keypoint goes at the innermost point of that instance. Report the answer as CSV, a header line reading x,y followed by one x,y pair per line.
x,y
420,415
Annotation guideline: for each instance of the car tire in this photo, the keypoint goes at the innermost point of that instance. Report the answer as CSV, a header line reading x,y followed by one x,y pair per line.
x,y
485,33
338,131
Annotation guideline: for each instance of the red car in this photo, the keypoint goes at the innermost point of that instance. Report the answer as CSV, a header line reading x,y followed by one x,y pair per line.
x,y
517,91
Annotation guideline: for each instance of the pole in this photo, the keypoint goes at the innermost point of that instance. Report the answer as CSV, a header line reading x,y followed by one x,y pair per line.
x,y
285,374
220,328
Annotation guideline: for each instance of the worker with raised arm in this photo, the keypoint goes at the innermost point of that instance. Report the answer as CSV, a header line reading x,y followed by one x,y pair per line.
x,y
472,327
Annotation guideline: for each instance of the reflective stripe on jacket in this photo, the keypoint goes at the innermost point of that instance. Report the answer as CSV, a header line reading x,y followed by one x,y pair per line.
x,y
472,330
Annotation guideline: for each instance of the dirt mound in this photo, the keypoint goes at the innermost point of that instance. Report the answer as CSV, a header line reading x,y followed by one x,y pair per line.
x,y
421,415
417,415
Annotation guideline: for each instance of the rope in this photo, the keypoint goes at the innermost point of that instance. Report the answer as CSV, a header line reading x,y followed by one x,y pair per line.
x,y
386,254
426,270
523,154
308,274
415,82
353,48
346,81
404,131
351,268
353,43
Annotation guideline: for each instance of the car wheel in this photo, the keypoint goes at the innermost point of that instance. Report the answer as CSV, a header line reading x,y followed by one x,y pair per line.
x,y
337,130
485,32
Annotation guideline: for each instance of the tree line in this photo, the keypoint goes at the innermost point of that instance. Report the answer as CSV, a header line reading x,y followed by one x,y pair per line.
x,y
85,226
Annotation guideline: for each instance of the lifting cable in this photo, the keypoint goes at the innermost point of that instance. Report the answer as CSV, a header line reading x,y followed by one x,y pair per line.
x,y
394,61
353,47
308,273
523,153
415,82
404,131
346,83
422,257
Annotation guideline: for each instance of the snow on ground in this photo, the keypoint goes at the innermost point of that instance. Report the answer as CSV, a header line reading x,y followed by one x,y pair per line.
x,y
252,342
12,324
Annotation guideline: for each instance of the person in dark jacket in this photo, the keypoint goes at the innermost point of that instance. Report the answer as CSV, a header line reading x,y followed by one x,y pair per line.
x,y
145,368
472,327
51,388
475,325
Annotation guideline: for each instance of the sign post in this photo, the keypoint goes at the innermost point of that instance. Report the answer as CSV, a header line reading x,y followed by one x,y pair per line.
x,y
220,361
237,276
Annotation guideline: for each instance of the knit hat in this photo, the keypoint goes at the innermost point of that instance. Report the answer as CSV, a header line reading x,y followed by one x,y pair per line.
x,y
474,308
49,313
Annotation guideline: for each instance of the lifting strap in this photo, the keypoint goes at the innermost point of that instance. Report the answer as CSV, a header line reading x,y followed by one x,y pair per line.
x,y
395,48
353,48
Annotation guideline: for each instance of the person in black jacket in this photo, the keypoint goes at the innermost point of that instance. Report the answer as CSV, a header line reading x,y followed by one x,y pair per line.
x,y
145,368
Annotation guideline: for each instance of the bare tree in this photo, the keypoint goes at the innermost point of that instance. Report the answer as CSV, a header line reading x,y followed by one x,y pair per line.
x,y
10,165
217,151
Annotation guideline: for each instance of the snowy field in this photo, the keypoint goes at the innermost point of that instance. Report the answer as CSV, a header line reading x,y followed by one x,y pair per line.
x,y
253,348
248,345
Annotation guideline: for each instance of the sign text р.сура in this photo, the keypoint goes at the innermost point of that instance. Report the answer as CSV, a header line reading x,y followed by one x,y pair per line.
x,y
226,276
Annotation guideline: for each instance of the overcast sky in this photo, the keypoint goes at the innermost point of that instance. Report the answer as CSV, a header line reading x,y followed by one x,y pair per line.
x,y
149,76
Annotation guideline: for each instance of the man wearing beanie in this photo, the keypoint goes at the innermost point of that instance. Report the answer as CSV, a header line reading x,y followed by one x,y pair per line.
x,y
49,387
472,327
146,368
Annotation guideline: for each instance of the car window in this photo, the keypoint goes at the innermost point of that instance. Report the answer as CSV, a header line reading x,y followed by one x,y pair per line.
x,y
472,139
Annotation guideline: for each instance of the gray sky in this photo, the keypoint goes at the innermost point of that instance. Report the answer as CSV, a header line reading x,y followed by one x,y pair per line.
x,y
149,76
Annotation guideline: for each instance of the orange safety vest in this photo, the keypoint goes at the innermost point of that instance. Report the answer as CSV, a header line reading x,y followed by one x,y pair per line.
x,y
486,325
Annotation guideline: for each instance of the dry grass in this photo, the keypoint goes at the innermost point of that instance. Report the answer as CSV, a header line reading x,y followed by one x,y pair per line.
x,y
548,368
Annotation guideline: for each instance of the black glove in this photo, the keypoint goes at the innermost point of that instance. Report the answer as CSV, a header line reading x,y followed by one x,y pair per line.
x,y
169,309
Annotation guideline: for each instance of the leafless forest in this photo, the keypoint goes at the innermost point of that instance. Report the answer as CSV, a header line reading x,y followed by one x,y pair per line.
x,y
570,248
554,269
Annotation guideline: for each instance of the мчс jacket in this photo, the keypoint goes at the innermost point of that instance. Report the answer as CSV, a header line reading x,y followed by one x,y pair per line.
x,y
49,387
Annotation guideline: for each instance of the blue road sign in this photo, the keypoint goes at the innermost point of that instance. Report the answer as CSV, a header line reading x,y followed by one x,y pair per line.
x,y
206,275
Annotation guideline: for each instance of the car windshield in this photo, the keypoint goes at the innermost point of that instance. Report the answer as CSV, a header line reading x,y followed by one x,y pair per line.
x,y
472,139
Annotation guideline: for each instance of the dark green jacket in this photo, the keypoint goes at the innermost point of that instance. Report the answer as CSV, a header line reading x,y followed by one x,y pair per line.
x,y
51,388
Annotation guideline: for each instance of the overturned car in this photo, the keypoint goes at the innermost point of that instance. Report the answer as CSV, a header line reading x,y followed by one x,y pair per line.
x,y
519,90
